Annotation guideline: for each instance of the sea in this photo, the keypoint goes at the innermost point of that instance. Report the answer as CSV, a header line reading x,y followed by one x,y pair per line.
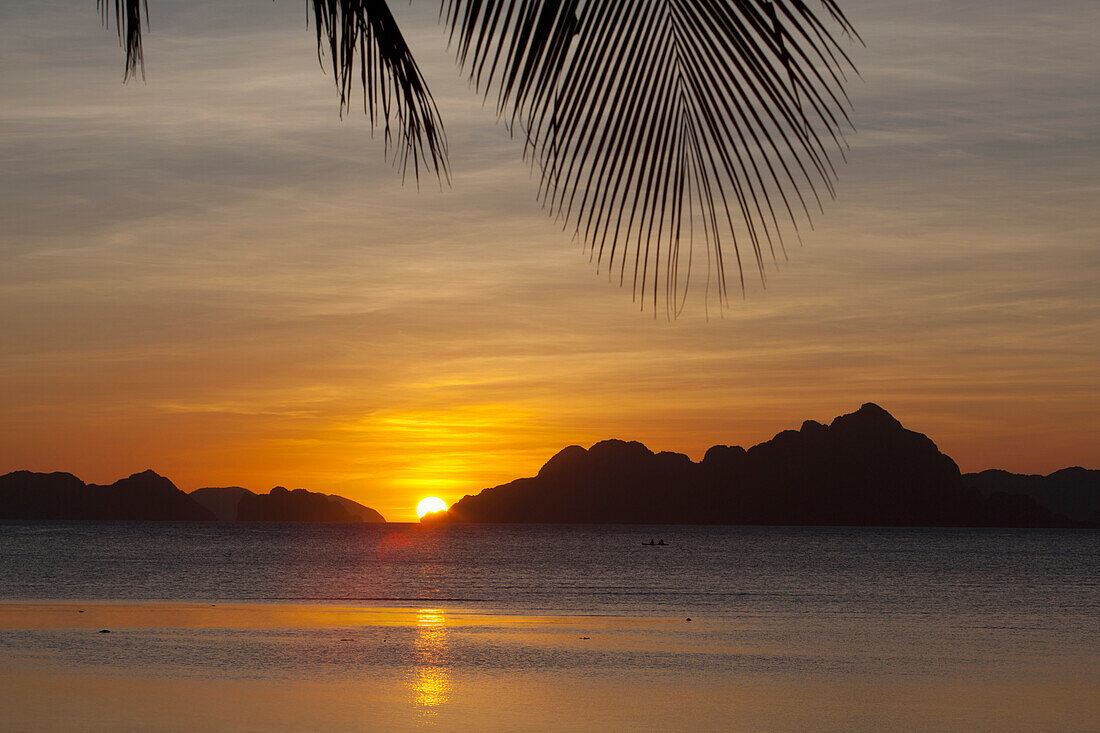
x,y
933,618
968,576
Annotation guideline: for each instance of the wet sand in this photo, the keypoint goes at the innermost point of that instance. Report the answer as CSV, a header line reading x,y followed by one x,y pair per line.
x,y
192,666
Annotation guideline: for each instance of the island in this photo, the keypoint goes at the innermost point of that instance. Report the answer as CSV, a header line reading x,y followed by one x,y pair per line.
x,y
862,469
234,503
148,496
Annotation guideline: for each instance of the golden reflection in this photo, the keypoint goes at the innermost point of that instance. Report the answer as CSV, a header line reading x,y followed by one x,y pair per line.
x,y
430,683
429,687
430,620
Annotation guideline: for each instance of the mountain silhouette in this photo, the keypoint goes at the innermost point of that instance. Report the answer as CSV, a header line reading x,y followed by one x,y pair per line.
x,y
281,505
863,469
144,496
358,512
1073,492
221,500
148,496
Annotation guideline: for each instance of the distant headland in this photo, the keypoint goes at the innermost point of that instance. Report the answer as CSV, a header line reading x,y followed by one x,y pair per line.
x,y
148,496
862,469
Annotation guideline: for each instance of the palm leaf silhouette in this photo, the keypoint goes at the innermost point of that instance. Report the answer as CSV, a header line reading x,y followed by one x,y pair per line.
x,y
658,127
391,81
128,22
353,33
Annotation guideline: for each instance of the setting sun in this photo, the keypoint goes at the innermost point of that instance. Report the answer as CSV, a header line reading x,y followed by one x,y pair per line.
x,y
430,504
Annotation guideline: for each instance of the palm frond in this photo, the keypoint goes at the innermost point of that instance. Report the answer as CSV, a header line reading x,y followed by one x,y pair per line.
x,y
657,127
393,87
353,32
128,24
660,124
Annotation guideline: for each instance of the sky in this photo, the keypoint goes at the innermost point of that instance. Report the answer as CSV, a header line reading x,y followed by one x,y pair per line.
x,y
211,274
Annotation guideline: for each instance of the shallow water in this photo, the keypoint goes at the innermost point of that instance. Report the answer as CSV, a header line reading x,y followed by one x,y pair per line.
x,y
827,628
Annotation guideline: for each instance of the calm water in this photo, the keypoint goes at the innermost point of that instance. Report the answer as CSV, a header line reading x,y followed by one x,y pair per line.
x,y
1017,575
857,628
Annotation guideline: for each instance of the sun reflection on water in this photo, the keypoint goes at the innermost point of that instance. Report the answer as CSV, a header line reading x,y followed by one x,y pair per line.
x,y
430,683
430,687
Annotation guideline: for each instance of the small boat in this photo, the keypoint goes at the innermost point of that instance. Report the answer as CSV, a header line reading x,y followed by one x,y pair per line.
x,y
651,543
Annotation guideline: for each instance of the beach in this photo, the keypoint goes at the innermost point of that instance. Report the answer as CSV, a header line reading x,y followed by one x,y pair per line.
x,y
175,666
295,627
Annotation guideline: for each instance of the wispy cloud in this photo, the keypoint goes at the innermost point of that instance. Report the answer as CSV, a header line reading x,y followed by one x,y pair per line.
x,y
213,274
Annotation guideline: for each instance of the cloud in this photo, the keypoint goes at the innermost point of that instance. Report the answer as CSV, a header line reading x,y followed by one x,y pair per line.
x,y
214,273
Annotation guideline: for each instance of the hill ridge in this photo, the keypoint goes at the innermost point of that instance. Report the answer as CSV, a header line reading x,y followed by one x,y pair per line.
x,y
863,468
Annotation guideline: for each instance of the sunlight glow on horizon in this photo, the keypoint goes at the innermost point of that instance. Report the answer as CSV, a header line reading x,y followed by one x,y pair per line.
x,y
429,505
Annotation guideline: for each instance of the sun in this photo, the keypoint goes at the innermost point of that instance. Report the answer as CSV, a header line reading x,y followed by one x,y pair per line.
x,y
430,504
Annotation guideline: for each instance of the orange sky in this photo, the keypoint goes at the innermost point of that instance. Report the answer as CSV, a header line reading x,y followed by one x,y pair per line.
x,y
213,276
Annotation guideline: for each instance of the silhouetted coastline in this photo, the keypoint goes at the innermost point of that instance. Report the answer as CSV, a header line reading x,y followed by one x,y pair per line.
x,y
237,504
145,496
863,469
1073,492
281,505
148,496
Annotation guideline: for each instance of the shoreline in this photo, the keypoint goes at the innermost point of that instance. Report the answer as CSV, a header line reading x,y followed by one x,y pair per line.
x,y
76,614
246,666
